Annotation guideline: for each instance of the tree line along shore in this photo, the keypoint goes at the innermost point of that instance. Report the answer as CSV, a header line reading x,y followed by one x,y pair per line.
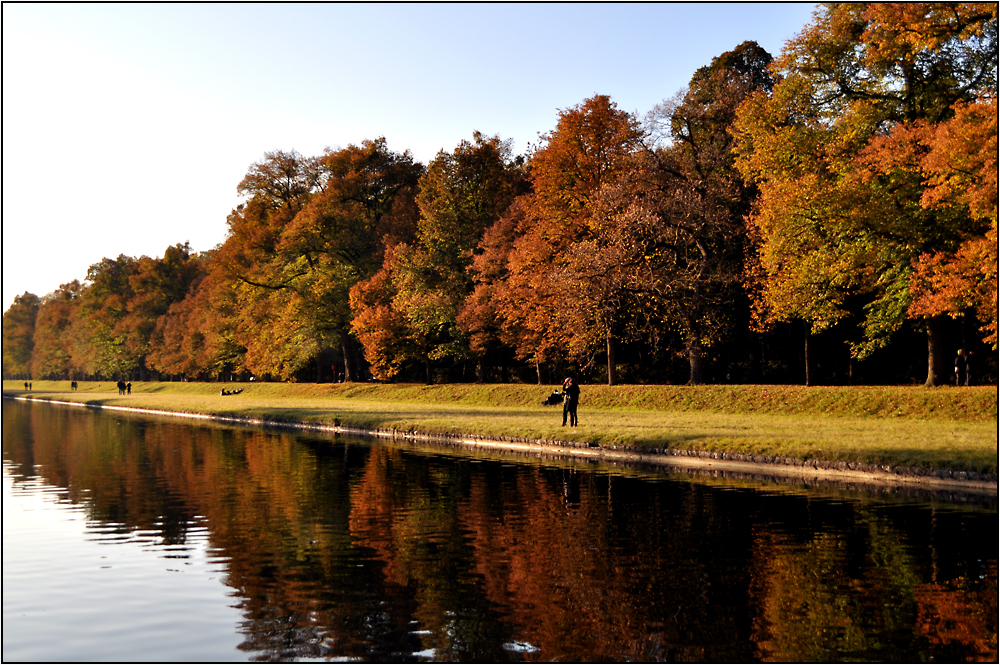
x,y
826,216
946,429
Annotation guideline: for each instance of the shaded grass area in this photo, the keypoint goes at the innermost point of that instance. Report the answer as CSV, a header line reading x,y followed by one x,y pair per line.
x,y
948,428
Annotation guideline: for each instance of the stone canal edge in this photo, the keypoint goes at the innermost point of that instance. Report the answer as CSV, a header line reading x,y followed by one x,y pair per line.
x,y
688,460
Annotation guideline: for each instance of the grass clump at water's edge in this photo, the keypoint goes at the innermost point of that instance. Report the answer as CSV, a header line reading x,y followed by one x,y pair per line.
x,y
948,428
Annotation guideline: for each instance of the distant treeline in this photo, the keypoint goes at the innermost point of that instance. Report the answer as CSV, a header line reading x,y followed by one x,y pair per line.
x,y
826,217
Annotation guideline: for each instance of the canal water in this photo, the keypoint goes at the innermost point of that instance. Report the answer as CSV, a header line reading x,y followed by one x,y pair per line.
x,y
132,538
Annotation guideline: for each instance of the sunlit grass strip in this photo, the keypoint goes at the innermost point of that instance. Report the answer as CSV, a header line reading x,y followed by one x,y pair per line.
x,y
925,440
965,404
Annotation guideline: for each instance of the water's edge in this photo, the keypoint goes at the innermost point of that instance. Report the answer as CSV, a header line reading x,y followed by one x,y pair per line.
x,y
687,460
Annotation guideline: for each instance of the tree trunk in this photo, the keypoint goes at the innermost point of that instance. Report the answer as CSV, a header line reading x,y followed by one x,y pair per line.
x,y
753,356
481,368
538,371
612,367
694,360
937,357
696,376
808,331
427,367
350,369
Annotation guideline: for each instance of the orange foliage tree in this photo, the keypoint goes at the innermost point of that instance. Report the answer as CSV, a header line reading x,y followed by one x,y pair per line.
x,y
18,335
311,229
560,288
269,319
409,310
196,338
841,210
52,353
959,159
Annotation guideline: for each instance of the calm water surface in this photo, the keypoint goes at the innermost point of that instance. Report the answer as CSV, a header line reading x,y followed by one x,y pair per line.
x,y
131,538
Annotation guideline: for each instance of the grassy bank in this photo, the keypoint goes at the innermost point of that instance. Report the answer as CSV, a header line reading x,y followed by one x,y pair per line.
x,y
947,428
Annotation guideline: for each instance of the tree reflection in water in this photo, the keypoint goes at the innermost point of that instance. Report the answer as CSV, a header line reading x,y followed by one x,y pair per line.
x,y
349,549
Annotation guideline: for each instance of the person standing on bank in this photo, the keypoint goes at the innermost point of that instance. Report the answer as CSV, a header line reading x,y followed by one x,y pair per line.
x,y
571,397
960,367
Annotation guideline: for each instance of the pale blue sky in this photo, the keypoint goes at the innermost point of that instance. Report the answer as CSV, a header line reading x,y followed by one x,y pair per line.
x,y
126,128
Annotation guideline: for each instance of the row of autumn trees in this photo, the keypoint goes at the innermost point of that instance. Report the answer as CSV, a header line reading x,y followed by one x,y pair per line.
x,y
848,186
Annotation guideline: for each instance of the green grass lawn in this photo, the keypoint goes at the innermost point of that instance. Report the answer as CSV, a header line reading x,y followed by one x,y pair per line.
x,y
946,428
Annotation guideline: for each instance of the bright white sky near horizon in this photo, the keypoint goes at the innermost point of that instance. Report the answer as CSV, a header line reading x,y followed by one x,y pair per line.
x,y
126,128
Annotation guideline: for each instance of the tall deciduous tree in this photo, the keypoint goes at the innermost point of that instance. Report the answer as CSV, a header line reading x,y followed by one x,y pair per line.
x,y
53,344
157,284
101,340
462,193
295,251
702,202
113,329
19,335
832,220
551,291
196,337
267,321
480,316
384,331
959,159
366,205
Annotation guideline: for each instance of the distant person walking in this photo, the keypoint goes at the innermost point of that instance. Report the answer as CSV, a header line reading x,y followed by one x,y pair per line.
x,y
128,388
25,385
969,364
571,398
